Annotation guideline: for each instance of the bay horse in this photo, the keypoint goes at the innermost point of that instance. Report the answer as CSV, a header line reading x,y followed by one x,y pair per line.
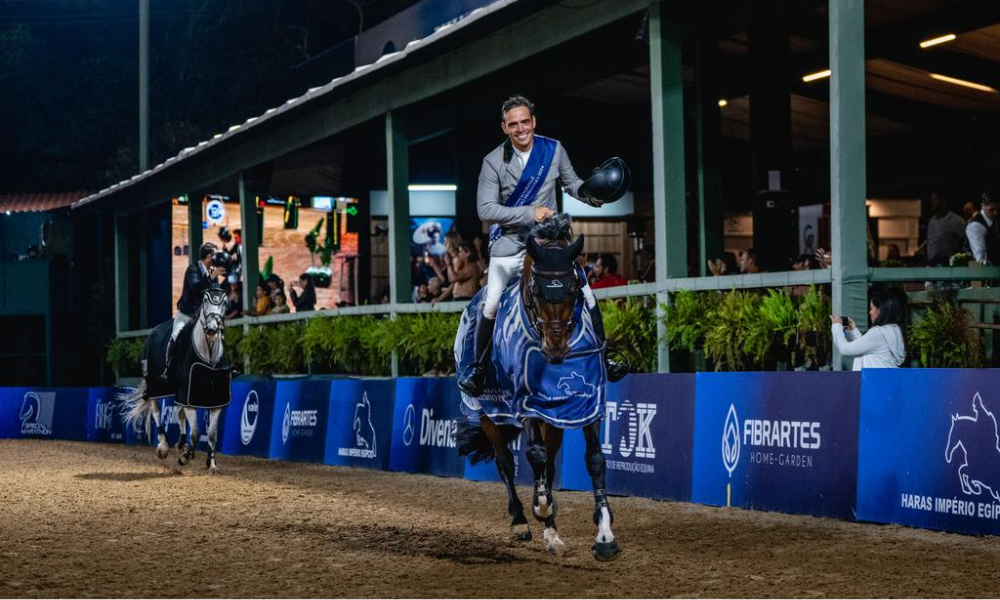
x,y
199,343
548,376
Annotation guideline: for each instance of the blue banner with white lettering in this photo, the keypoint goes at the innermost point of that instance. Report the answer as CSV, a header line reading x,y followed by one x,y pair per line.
x,y
425,423
359,430
929,449
249,417
777,441
104,416
45,413
301,410
646,437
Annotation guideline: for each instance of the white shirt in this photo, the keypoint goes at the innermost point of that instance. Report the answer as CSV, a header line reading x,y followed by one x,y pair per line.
x,y
977,238
944,236
881,347
522,157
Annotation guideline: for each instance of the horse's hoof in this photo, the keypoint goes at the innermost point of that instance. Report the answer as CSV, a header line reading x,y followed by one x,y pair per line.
x,y
520,533
213,470
182,459
161,453
554,544
606,551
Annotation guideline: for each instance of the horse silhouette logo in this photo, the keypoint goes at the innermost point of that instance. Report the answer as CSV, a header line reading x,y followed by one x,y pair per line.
x,y
978,439
36,413
364,431
576,385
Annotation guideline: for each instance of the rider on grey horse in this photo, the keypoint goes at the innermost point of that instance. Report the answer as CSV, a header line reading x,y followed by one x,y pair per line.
x,y
197,279
517,188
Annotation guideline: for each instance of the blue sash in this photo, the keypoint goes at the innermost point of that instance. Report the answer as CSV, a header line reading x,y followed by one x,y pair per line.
x,y
532,178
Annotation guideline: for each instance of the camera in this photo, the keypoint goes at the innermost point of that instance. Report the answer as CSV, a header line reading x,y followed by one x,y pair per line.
x,y
222,260
845,322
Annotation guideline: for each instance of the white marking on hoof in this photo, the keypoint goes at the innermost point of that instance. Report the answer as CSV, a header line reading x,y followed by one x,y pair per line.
x,y
520,533
553,544
162,452
604,534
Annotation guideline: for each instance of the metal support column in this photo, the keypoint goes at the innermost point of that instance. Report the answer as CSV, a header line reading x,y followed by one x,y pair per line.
x,y
121,276
398,181
848,185
195,207
250,240
666,88
710,214
143,85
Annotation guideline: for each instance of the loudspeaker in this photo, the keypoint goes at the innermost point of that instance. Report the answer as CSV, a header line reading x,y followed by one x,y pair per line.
x,y
775,230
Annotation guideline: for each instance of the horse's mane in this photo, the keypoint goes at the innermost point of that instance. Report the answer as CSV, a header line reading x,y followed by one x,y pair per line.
x,y
558,228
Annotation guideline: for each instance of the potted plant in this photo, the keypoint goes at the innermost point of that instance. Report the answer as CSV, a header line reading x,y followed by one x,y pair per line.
x,y
321,276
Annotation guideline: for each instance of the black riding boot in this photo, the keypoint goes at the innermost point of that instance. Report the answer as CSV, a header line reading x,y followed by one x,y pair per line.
x,y
473,382
165,375
616,370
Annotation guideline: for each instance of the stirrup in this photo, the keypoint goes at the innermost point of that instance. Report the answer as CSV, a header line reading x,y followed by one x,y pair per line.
x,y
617,370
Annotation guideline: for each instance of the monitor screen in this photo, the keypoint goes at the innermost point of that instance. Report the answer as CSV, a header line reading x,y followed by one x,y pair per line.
x,y
427,234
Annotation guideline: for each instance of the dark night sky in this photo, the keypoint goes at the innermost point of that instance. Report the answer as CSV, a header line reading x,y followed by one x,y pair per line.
x,y
69,75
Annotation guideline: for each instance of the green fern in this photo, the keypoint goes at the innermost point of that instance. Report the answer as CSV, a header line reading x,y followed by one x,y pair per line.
x,y
944,338
729,323
630,328
685,320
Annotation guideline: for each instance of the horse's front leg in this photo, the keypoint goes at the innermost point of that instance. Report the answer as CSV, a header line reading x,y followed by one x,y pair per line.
x,y
183,446
213,431
543,504
553,442
519,530
605,547
161,431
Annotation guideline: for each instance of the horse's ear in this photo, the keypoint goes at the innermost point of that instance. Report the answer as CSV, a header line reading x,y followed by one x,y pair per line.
x,y
533,248
574,249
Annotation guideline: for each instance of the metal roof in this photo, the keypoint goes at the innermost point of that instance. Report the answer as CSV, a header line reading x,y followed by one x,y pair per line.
x,y
39,202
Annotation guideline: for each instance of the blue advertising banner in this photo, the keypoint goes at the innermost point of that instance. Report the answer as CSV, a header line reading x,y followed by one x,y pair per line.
x,y
104,416
777,441
359,430
249,417
298,428
929,454
523,474
646,437
425,421
52,413
169,417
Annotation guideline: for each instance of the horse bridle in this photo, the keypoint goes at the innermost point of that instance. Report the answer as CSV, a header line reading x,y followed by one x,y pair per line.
x,y
213,318
565,275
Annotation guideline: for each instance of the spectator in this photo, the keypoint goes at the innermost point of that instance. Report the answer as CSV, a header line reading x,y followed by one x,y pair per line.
x,y
464,275
945,233
606,272
234,308
725,264
280,304
306,301
275,284
969,211
434,289
805,262
983,233
264,303
588,266
893,253
748,262
648,274
883,345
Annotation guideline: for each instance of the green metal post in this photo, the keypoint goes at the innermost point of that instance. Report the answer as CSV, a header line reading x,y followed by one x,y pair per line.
x,y
710,215
121,275
848,185
398,180
666,88
251,237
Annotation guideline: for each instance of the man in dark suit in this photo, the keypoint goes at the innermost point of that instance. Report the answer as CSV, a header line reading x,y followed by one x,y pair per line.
x,y
197,278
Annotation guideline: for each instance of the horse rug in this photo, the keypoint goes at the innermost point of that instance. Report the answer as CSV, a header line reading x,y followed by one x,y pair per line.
x,y
523,383
208,387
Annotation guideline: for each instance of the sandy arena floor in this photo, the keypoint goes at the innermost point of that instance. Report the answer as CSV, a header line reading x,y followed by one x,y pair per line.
x,y
80,519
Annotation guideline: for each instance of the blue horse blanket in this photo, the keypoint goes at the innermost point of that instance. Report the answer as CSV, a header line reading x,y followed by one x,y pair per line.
x,y
523,383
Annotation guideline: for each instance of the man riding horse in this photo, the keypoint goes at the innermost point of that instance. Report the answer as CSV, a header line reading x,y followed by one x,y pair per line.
x,y
517,188
197,278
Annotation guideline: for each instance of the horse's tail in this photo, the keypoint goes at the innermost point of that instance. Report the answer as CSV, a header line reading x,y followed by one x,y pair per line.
x,y
137,407
474,443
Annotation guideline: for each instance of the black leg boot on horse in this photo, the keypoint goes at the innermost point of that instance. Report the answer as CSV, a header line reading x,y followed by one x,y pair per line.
x,y
541,456
606,547
616,370
472,384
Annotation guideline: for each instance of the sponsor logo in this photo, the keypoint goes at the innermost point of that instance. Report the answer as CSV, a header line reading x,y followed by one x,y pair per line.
x,y
215,211
36,413
248,421
555,284
634,435
771,442
409,425
439,433
974,447
364,432
286,424
575,385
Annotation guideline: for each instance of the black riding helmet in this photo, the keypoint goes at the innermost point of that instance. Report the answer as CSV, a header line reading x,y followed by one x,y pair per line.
x,y
608,182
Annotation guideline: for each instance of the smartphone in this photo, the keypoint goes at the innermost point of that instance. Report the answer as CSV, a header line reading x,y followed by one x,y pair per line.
x,y
845,322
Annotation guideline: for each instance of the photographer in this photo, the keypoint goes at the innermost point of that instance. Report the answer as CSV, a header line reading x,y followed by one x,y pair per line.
x,y
883,345
307,300
198,277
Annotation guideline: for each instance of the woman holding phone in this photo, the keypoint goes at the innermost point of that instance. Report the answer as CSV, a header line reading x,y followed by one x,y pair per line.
x,y
883,345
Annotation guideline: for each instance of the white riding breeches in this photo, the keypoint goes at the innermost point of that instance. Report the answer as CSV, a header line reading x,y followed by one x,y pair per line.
x,y
502,269
180,320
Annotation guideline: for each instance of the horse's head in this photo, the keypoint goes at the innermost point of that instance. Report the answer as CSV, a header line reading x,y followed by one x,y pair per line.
x,y
552,290
213,310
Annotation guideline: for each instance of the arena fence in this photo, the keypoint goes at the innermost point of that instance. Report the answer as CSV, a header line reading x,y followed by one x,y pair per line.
x,y
914,447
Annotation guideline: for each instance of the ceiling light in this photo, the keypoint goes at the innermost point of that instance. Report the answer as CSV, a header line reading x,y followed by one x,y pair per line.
x,y
815,76
432,188
723,102
963,83
938,40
